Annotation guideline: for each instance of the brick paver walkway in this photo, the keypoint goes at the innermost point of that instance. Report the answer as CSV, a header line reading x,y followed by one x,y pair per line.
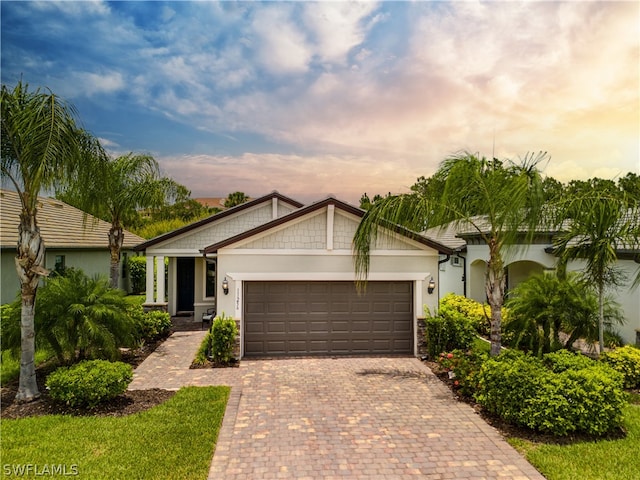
x,y
357,418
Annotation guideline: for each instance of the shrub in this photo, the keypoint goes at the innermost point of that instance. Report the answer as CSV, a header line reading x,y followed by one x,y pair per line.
x,y
522,390
625,360
137,267
88,383
152,325
224,332
444,333
204,351
565,360
478,313
77,318
464,368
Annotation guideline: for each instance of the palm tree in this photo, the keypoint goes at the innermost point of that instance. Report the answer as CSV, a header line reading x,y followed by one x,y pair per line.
x,y
595,227
501,201
546,305
78,317
114,190
39,151
235,198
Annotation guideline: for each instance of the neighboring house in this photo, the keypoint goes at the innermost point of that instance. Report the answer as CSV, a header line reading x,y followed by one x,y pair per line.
x,y
71,239
464,272
212,202
285,272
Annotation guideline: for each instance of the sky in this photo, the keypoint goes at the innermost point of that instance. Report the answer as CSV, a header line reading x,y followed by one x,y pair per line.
x,y
338,98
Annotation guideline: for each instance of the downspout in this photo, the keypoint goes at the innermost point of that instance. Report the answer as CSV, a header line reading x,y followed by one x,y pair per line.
x,y
464,273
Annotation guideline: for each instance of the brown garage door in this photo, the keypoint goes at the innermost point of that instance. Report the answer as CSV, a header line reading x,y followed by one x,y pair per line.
x,y
327,318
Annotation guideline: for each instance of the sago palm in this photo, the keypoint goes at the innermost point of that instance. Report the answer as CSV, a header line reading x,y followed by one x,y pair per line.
x,y
501,201
78,317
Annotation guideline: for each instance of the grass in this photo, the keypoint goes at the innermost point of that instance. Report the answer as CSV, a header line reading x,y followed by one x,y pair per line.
x,y
174,440
597,460
10,366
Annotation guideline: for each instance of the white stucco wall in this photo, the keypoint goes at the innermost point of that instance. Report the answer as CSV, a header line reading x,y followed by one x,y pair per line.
x,y
522,263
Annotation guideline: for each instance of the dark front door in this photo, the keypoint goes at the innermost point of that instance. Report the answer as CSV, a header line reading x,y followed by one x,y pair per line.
x,y
186,277
327,318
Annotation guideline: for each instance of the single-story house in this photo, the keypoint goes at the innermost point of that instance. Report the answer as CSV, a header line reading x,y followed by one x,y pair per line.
x,y
463,272
285,272
71,238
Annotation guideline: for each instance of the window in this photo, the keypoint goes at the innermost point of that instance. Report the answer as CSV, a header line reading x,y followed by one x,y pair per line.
x,y
210,279
60,264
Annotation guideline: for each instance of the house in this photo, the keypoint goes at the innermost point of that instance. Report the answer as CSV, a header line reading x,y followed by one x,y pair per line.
x,y
464,272
285,272
71,238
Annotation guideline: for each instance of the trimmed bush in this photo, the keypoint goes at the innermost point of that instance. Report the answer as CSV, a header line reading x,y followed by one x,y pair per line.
x,y
464,368
444,333
137,267
88,383
224,332
523,391
565,360
204,351
478,313
625,360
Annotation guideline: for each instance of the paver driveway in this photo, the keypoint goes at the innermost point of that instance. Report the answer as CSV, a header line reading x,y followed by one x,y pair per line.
x,y
387,418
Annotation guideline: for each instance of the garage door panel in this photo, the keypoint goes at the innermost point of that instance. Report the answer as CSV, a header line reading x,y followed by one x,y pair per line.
x,y
327,318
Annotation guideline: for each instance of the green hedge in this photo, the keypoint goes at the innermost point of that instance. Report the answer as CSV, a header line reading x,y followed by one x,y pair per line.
x,y
219,342
444,333
625,360
137,267
224,332
523,390
479,314
88,383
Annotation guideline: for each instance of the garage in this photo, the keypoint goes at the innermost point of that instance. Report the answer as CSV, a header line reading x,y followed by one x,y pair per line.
x,y
327,318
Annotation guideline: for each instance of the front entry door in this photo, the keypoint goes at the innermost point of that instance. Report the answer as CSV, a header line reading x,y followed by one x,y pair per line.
x,y
186,283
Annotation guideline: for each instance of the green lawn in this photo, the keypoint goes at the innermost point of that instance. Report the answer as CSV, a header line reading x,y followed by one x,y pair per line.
x,y
599,460
175,440
10,367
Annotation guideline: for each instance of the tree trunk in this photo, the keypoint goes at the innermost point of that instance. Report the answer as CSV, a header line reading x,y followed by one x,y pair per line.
x,y
116,240
29,268
495,295
601,316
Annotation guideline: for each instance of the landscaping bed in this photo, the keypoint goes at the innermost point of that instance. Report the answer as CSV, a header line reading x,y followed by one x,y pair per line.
x,y
509,430
130,402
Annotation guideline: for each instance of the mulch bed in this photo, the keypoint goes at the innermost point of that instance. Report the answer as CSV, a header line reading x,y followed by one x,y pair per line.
x,y
508,430
132,401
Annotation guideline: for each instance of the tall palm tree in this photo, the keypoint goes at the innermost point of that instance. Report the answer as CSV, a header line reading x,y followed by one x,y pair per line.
x,y
39,151
114,190
596,226
501,201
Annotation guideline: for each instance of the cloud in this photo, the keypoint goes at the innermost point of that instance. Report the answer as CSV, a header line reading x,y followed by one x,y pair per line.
x,y
337,27
90,83
280,46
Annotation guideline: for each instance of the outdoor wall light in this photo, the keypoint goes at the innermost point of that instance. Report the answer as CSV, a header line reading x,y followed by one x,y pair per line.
x,y
431,286
225,286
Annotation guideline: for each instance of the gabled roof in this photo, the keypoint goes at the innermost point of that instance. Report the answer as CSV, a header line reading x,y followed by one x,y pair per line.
x,y
318,206
217,217
61,225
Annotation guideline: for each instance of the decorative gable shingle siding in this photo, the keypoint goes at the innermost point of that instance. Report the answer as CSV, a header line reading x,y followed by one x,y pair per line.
x,y
307,234
215,232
